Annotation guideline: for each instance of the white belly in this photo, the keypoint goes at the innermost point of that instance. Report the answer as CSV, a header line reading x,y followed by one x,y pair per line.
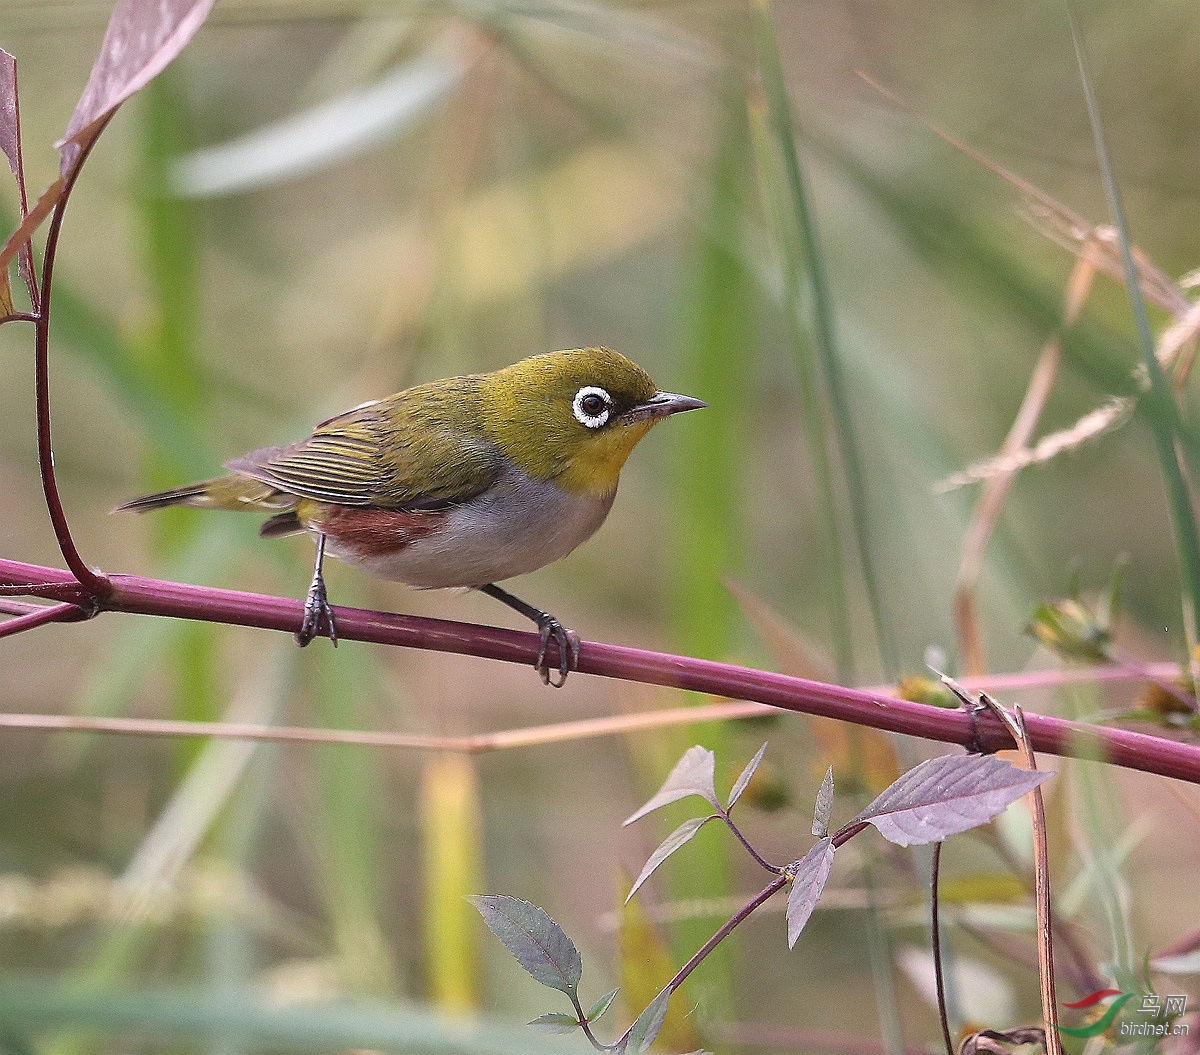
x,y
518,525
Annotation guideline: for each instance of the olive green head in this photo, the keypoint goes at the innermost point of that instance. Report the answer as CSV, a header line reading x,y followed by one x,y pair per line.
x,y
574,416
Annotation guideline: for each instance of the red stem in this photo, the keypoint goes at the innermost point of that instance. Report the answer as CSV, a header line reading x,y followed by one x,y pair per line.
x,y
93,582
726,928
1123,747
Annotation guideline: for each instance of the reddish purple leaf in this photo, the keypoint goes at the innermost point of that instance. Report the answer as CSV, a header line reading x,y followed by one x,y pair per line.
x,y
808,880
743,781
30,223
142,38
947,795
679,837
824,808
10,143
694,774
10,119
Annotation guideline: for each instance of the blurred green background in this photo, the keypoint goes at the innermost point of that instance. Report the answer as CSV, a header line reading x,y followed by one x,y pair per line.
x,y
322,202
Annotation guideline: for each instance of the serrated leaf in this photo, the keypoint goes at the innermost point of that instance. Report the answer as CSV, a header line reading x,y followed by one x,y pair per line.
x,y
602,1005
947,795
539,944
742,781
555,1022
679,837
646,1026
694,774
808,880
824,807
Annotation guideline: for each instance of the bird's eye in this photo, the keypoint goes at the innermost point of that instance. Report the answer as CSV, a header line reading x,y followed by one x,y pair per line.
x,y
592,406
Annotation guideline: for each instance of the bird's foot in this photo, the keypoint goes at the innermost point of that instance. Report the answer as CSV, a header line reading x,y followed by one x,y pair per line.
x,y
316,612
567,642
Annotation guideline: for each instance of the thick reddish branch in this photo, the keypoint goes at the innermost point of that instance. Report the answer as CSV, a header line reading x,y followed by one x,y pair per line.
x,y
128,593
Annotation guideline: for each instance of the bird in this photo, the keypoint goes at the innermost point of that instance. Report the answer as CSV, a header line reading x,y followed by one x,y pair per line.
x,y
462,482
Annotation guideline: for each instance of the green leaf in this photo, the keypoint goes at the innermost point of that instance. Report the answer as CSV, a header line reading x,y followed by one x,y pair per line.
x,y
743,781
602,1005
555,1022
646,1026
537,943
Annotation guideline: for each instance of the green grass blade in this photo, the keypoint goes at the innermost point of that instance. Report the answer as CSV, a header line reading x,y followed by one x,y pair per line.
x,y
349,786
720,308
452,856
184,1015
720,321
804,230
1161,415
775,193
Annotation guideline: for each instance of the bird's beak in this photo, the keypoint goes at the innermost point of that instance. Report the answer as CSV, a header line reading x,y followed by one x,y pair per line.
x,y
660,405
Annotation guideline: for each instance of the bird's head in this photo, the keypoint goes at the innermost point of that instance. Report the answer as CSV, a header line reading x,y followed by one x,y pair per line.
x,y
574,416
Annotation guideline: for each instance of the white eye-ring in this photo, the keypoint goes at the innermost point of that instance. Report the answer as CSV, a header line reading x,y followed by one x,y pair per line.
x,y
592,406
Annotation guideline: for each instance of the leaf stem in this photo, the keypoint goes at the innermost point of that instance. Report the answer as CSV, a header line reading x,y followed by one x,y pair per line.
x,y
724,815
581,1018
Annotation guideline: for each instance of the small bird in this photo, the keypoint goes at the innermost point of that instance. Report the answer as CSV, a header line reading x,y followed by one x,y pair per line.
x,y
462,482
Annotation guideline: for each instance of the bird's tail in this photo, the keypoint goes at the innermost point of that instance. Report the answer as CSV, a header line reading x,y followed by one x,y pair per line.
x,y
237,493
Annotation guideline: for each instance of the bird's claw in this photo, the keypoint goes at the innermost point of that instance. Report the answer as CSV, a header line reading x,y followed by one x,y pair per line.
x,y
317,611
567,642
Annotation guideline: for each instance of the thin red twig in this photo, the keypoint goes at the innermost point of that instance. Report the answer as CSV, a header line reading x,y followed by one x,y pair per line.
x,y
51,613
935,930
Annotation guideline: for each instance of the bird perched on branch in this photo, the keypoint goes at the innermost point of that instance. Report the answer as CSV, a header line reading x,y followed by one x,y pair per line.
x,y
461,482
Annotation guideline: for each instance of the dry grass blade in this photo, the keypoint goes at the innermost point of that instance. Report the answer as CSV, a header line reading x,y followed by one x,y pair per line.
x,y
996,488
200,797
1014,722
1097,248
1107,417
1097,243
1177,345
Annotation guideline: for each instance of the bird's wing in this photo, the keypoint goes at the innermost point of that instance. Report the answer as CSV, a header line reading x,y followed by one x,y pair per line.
x,y
380,454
